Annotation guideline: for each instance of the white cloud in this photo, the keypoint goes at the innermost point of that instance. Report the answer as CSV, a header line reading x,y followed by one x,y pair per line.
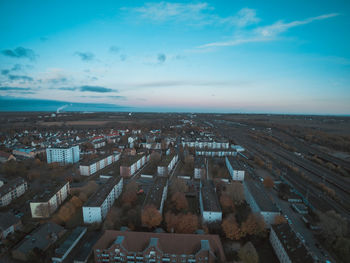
x,y
193,13
266,33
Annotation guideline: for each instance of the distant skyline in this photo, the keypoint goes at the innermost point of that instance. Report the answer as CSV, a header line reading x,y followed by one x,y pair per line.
x,y
203,56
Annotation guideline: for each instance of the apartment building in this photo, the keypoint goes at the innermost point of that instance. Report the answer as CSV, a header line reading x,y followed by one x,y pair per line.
x,y
49,201
205,143
157,195
92,166
235,168
259,202
8,224
209,202
200,169
129,246
63,155
12,190
216,153
167,164
131,164
98,205
287,246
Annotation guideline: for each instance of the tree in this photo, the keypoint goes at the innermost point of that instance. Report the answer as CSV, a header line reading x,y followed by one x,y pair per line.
x,y
333,226
231,227
268,182
236,192
129,197
254,225
151,217
155,157
279,219
171,221
227,203
248,253
180,201
187,223
178,185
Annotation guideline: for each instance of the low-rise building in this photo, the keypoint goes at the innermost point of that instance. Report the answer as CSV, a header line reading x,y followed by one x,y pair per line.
x,y
69,243
63,155
167,164
235,168
92,166
49,201
27,152
200,169
127,246
209,202
287,246
259,202
96,208
12,190
157,195
8,224
216,153
131,164
42,238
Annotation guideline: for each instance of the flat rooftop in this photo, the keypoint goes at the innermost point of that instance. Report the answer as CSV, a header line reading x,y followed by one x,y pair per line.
x,y
11,185
209,197
154,195
100,195
260,197
292,244
95,160
166,159
236,164
66,245
49,193
129,160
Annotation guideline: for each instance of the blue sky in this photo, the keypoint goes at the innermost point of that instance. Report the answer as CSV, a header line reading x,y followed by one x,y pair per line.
x,y
212,56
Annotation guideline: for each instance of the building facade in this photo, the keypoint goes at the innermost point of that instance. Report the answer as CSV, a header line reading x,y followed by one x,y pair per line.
x,y
50,201
128,246
63,155
94,166
12,190
96,208
235,168
167,165
132,164
209,203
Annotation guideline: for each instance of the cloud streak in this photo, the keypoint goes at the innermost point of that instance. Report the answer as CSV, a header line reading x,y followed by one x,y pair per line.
x,y
85,88
85,56
266,33
20,52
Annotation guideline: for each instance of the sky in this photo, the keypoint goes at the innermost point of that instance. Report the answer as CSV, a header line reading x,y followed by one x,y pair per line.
x,y
203,56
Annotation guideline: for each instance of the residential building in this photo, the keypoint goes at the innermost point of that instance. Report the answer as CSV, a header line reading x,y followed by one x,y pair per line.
x,y
167,164
209,202
12,190
131,164
9,223
42,238
63,155
127,246
84,249
235,168
49,201
259,202
200,169
205,143
96,208
287,246
69,243
27,152
92,166
157,195
216,153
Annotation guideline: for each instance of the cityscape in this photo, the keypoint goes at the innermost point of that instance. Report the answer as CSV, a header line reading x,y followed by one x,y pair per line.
x,y
176,131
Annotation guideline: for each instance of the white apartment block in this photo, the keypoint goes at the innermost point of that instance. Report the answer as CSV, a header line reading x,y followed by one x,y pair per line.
x,y
209,203
99,144
49,201
12,190
216,153
235,168
206,144
259,202
167,165
93,166
157,195
131,165
63,155
96,208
